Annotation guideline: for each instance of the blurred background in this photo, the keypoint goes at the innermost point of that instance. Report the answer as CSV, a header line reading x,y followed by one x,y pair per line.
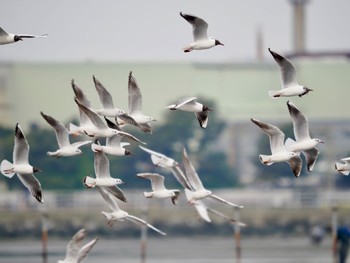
x,y
108,39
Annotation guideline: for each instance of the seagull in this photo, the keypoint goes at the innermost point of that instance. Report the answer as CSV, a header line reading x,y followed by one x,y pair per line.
x,y
21,167
75,252
197,191
278,150
164,161
103,177
190,104
8,38
160,159
120,215
158,188
201,40
304,143
290,86
107,109
135,107
344,166
85,122
62,136
114,146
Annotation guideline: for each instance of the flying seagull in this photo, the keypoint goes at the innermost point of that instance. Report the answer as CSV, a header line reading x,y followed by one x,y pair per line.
x,y
158,188
191,105
75,252
8,38
103,177
138,118
21,166
62,136
290,86
120,215
201,40
278,150
304,143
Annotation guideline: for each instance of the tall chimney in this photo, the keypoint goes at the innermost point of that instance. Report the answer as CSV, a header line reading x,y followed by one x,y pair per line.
x,y
299,25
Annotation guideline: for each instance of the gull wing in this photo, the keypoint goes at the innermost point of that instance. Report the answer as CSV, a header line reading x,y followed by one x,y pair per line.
x,y
229,219
3,32
222,200
21,147
105,97
101,165
115,140
157,180
184,100
95,119
296,164
139,221
117,192
73,246
33,185
191,173
181,177
199,26
135,97
61,131
288,71
86,249
202,118
199,206
300,122
107,197
276,136
311,157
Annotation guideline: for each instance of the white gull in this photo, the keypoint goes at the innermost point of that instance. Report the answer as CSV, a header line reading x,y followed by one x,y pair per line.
x,y
201,40
8,38
278,150
290,86
21,166
62,136
118,214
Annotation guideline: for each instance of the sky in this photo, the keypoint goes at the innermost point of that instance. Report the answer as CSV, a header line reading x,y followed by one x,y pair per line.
x,y
153,30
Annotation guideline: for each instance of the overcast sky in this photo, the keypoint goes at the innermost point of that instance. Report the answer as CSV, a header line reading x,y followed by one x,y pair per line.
x,y
153,30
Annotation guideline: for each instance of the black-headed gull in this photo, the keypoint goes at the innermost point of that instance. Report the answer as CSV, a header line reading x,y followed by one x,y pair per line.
x,y
138,118
8,38
103,177
85,122
304,143
107,106
114,145
197,191
62,136
290,86
191,105
75,251
279,152
200,36
120,215
21,166
343,166
158,188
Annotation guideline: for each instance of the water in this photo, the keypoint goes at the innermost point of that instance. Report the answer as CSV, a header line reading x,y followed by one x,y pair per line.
x,y
204,249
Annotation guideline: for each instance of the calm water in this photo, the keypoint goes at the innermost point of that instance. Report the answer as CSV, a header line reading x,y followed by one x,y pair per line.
x,y
175,250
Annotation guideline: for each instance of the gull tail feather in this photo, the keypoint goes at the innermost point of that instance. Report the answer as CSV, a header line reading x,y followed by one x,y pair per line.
x,y
89,182
265,159
273,94
6,168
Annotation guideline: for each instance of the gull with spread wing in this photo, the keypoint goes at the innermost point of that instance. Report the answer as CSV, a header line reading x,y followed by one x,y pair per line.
x,y
120,215
200,36
158,188
21,166
103,177
191,105
75,252
304,143
9,38
278,149
138,118
290,86
62,136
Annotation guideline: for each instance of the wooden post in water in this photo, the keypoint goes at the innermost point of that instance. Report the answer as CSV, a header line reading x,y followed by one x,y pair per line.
x,y
334,225
237,234
44,234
